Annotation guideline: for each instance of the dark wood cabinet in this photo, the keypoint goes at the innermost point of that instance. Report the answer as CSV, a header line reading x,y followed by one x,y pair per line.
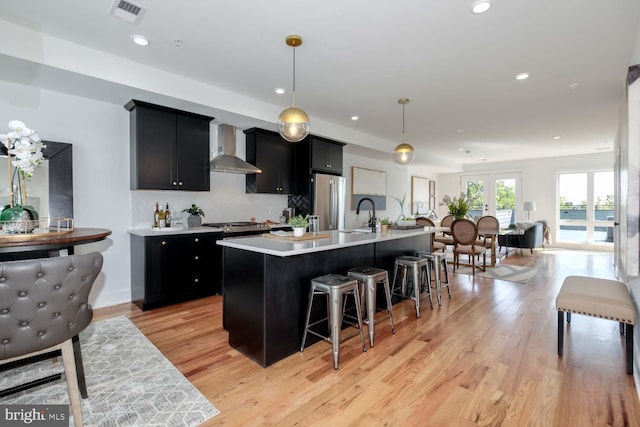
x,y
169,148
326,155
172,268
275,156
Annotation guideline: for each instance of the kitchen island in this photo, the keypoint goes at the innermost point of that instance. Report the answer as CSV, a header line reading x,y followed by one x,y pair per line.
x,y
267,282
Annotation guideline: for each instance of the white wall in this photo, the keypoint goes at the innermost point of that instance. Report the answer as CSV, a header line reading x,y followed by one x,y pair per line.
x,y
539,178
99,133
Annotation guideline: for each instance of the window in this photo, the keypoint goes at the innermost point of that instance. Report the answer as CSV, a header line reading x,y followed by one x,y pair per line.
x,y
585,207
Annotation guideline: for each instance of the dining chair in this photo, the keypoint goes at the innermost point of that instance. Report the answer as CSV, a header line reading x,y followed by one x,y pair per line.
x,y
435,246
445,238
43,305
465,234
487,223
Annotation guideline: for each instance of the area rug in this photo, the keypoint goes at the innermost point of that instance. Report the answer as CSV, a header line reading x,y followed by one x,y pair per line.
x,y
129,382
510,273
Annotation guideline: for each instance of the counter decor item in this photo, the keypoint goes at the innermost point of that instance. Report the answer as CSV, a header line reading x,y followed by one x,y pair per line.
x,y
195,216
458,206
401,218
24,149
384,224
299,225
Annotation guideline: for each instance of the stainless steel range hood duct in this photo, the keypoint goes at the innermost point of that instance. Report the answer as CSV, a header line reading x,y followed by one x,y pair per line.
x,y
226,160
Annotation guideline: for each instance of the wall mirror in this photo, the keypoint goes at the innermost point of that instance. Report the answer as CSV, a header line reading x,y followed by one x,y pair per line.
x,y
423,195
51,187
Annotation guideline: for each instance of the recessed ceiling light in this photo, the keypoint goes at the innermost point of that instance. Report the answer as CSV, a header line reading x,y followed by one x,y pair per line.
x,y
354,118
522,76
480,6
460,149
140,40
573,85
563,149
556,137
280,91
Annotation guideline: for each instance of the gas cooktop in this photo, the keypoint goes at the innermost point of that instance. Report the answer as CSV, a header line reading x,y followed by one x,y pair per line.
x,y
239,227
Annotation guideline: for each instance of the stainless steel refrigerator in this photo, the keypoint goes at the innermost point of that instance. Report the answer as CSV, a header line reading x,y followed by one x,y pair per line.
x,y
328,200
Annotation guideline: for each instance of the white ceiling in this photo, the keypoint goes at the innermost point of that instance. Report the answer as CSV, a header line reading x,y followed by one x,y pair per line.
x,y
360,56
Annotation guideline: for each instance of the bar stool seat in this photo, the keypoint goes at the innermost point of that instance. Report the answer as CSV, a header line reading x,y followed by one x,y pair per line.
x,y
335,287
370,278
437,259
417,266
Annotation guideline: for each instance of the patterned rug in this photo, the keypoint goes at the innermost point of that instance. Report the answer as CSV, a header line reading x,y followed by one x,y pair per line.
x,y
129,382
510,273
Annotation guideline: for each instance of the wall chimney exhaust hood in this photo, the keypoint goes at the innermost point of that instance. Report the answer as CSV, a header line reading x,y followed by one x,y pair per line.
x,y
226,160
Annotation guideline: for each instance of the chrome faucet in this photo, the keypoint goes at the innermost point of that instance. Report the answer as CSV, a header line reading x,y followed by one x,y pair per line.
x,y
372,220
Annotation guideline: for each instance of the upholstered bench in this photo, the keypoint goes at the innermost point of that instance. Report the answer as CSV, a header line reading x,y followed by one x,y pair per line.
x,y
607,299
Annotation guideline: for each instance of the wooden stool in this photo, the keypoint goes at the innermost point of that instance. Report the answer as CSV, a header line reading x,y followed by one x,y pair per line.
x,y
334,286
607,299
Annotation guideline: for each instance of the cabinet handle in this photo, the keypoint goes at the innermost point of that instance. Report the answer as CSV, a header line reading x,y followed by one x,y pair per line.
x,y
328,166
164,243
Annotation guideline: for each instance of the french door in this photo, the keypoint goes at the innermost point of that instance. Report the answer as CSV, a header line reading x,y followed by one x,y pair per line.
x,y
493,194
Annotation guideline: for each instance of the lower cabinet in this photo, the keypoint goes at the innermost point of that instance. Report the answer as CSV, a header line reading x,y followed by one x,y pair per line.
x,y
169,269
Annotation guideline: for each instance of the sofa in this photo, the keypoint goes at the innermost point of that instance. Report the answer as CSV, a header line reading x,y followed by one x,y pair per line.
x,y
525,236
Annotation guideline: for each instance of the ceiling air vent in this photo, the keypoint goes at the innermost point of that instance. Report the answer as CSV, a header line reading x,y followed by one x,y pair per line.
x,y
127,10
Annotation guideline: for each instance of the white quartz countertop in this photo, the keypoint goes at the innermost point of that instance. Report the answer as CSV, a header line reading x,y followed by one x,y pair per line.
x,y
337,239
145,232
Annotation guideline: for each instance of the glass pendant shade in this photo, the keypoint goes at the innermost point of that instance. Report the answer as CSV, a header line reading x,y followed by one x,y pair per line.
x,y
293,124
404,154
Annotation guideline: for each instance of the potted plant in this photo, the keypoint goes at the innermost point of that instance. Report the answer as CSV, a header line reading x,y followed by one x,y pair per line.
x,y
384,224
195,216
458,207
299,225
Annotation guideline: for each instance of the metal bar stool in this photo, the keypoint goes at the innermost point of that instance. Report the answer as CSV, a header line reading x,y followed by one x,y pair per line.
x,y
334,286
370,278
436,259
417,265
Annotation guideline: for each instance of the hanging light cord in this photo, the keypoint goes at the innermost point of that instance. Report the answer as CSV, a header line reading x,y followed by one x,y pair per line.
x,y
294,76
403,122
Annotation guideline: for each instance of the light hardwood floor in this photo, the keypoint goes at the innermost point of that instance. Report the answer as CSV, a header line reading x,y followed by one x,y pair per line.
x,y
485,357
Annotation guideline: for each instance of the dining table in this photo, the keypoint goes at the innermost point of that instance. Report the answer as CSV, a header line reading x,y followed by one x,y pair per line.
x,y
14,247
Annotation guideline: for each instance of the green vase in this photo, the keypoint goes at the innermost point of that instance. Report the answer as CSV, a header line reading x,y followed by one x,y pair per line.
x,y
18,219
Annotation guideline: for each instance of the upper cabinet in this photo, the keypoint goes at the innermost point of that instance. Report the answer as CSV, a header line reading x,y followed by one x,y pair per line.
x,y
275,156
326,155
169,148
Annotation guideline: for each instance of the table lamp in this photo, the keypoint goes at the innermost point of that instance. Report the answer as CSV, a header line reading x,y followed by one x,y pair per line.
x,y
528,206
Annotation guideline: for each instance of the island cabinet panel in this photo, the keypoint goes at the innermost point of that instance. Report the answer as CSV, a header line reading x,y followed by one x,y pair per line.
x,y
169,148
265,306
275,156
169,269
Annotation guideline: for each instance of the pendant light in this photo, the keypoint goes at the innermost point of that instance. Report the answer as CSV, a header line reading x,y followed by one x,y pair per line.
x,y
293,123
403,154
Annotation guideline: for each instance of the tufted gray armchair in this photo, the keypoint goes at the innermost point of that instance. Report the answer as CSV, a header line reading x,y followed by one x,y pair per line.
x,y
43,305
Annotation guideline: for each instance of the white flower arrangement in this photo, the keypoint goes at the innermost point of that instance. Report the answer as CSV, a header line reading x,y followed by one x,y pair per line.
x,y
25,146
